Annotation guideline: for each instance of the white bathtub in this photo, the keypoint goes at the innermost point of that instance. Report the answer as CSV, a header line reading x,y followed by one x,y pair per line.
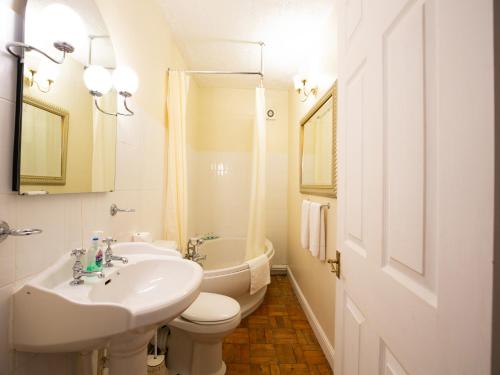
x,y
227,273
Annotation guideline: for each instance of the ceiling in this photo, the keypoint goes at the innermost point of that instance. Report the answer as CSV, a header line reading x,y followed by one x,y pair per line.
x,y
221,35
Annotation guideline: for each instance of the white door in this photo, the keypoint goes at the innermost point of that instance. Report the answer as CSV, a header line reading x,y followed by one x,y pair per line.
x,y
415,187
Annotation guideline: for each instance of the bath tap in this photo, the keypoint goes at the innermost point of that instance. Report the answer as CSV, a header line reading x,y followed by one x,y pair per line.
x,y
192,250
210,236
108,254
78,271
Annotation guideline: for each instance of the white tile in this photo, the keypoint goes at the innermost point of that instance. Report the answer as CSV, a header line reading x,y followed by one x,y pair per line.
x,y
10,25
72,222
5,323
7,248
128,167
44,363
124,224
150,213
7,115
35,253
153,157
95,215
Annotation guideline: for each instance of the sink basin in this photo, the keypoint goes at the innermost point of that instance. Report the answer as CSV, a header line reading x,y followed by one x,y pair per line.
x,y
154,287
126,248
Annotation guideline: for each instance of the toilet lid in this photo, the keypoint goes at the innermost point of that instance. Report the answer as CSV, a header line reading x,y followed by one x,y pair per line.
x,y
211,307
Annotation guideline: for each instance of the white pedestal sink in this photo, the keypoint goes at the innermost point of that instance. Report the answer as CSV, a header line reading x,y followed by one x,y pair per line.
x,y
122,310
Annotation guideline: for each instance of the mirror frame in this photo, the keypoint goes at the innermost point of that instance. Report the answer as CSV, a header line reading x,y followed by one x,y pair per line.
x,y
49,180
322,190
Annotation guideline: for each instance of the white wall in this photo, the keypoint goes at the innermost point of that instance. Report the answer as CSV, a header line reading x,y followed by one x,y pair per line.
x,y
313,277
68,220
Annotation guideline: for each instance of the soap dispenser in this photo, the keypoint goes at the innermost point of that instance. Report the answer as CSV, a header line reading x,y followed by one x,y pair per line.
x,y
91,254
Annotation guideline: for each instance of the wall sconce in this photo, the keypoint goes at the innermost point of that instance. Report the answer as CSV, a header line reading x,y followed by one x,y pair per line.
x,y
62,25
304,87
99,81
44,72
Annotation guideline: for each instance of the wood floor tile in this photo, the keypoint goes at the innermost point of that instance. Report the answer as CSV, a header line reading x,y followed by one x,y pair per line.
x,y
276,339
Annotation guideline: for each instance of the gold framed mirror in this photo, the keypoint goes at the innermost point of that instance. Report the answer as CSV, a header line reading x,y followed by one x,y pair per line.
x,y
318,151
44,143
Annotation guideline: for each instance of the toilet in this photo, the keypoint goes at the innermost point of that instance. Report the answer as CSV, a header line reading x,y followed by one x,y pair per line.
x,y
195,341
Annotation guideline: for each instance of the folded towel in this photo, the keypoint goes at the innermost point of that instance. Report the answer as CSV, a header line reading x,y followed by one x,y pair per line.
x,y
317,236
304,225
260,273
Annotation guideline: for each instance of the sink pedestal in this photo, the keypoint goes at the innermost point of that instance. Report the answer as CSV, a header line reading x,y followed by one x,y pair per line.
x,y
128,353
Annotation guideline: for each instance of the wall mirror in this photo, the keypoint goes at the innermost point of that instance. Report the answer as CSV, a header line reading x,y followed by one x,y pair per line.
x,y
63,143
318,147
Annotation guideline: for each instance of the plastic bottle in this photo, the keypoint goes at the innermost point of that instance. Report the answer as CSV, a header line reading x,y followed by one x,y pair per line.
x,y
91,254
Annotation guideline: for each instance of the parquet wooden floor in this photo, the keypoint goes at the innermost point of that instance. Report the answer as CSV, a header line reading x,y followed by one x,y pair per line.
x,y
276,339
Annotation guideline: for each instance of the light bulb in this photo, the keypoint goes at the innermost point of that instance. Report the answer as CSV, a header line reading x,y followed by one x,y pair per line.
x,y
298,82
63,24
125,80
48,71
97,79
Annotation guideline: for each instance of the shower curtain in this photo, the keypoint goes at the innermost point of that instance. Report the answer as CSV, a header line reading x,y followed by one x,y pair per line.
x,y
256,235
103,155
175,211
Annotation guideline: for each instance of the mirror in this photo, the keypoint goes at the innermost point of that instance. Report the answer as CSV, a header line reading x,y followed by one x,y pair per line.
x,y
318,147
63,143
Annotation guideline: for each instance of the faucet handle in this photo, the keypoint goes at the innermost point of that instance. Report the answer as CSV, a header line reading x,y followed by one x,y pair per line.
x,y
77,253
108,241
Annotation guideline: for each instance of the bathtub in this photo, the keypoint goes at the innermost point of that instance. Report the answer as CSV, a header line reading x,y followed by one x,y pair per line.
x,y
227,273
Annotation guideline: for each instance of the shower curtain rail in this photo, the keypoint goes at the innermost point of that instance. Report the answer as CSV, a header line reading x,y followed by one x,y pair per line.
x,y
260,73
219,72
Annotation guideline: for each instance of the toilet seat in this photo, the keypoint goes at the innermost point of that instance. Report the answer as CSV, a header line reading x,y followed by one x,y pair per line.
x,y
211,308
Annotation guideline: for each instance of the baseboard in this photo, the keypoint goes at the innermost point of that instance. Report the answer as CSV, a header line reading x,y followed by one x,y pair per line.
x,y
313,321
279,269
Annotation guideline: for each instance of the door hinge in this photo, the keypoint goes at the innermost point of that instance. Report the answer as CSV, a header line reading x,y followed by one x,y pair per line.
x,y
335,264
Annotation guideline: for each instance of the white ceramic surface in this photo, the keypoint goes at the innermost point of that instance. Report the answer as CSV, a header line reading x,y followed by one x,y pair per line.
x,y
225,271
154,287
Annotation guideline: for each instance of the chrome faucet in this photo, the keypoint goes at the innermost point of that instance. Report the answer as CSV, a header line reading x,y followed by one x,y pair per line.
x,y
192,250
78,271
108,254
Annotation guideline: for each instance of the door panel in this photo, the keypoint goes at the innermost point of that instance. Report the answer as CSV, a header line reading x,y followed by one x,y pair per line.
x,y
415,187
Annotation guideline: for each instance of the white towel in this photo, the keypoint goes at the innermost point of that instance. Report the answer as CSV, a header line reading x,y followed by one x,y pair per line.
x,y
260,273
317,236
304,225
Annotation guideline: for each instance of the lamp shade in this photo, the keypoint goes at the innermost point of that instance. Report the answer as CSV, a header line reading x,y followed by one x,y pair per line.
x,y
125,80
298,82
62,24
97,79
47,70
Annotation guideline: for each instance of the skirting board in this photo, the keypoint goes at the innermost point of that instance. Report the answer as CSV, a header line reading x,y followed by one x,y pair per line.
x,y
313,321
279,269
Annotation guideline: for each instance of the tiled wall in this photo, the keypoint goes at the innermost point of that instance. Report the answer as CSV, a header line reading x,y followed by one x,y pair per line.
x,y
68,220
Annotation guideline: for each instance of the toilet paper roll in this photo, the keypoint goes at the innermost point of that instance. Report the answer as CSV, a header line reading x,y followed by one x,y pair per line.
x,y
142,237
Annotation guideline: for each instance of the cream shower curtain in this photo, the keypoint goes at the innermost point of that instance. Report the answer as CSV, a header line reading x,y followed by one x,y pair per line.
x,y
103,154
176,174
256,235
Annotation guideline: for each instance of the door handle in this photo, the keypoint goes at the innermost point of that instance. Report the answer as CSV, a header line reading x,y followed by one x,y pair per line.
x,y
335,264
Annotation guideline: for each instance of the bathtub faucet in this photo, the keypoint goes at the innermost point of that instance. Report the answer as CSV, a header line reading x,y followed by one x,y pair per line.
x,y
192,250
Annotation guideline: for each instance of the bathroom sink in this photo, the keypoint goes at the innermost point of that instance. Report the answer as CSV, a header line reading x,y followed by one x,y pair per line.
x,y
50,315
126,248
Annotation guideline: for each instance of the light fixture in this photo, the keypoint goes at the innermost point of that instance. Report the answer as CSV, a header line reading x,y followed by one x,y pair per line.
x,y
304,87
99,81
62,26
41,75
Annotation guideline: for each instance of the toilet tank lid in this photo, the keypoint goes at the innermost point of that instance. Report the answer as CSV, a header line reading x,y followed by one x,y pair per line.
x,y
211,307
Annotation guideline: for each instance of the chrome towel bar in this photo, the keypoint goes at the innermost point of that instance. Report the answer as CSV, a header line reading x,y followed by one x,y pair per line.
x,y
5,231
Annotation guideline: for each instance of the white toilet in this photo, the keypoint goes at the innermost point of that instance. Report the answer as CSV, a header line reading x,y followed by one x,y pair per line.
x,y
195,341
